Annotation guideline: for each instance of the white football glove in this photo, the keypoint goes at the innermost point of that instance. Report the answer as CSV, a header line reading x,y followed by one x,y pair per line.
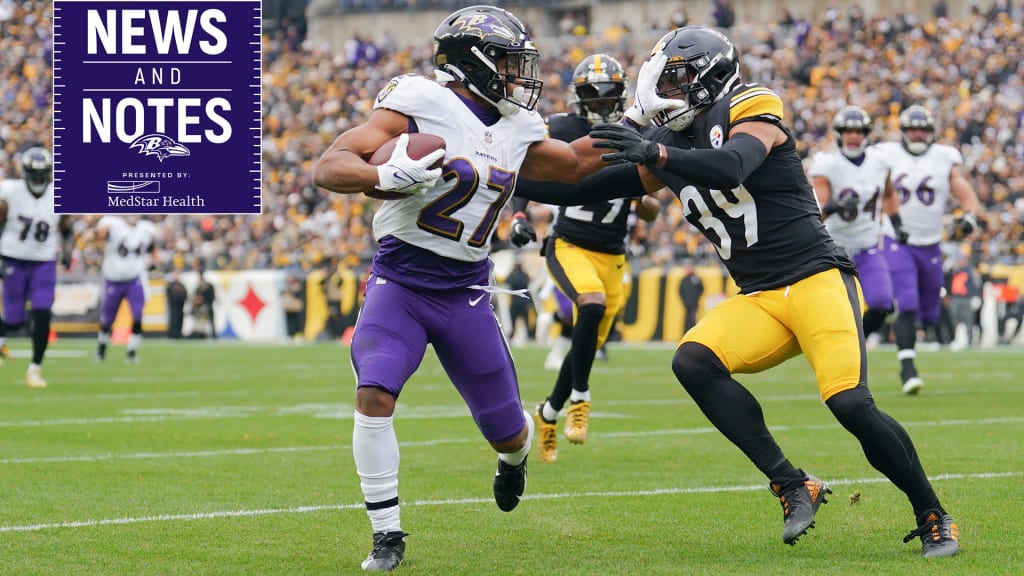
x,y
403,174
646,102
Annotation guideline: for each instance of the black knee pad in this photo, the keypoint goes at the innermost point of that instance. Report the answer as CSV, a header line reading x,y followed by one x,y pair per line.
x,y
592,313
137,327
849,406
695,363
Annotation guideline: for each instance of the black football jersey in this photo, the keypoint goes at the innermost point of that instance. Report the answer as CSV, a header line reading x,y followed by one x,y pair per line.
x,y
599,226
768,231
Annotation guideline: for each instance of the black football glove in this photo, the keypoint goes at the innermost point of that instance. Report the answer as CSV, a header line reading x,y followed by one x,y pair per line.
x,y
897,227
522,231
65,259
631,146
847,209
964,225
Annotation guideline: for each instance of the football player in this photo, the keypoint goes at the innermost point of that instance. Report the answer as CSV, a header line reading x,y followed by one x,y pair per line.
x,y
431,275
32,238
127,245
853,187
925,175
586,255
733,163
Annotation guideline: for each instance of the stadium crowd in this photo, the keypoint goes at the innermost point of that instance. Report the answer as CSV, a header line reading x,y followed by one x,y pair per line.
x,y
968,72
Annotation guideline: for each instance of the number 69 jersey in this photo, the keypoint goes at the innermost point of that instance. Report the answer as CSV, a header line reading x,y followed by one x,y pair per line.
x,y
456,217
768,230
32,232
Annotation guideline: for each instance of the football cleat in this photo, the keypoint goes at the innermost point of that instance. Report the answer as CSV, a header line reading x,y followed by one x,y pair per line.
x,y
388,552
576,421
547,435
34,377
799,505
912,383
509,483
940,536
131,357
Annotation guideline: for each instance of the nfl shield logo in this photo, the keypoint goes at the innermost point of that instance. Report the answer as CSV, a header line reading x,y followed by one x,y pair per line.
x,y
488,137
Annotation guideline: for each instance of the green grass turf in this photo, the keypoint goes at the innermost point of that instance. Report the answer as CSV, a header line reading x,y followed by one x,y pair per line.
x,y
234,459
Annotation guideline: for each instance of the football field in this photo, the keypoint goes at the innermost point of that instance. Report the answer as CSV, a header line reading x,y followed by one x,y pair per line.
x,y
234,459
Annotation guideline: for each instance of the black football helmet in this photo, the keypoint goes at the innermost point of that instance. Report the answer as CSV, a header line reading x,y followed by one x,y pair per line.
x,y
919,117
702,67
487,48
852,119
599,89
37,169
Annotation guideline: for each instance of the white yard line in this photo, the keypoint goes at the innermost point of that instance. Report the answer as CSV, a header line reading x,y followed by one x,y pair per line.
x,y
456,502
444,441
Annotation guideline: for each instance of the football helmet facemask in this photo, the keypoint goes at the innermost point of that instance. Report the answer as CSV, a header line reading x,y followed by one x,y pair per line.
x,y
599,89
917,117
852,119
490,51
37,169
702,67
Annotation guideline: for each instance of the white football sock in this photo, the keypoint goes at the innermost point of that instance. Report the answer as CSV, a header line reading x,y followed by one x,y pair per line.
x,y
375,450
516,458
578,396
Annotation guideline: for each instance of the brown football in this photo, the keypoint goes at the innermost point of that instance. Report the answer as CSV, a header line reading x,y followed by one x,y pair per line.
x,y
419,146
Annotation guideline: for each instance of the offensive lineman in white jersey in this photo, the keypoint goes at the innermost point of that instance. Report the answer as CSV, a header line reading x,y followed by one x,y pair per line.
x,y
32,237
925,176
854,189
431,274
125,259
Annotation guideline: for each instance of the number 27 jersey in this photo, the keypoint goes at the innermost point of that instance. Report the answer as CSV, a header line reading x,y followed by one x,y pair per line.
x,y
456,217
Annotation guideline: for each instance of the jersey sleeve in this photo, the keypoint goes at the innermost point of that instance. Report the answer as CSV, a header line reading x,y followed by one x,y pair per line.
x,y
755,102
821,165
410,94
5,190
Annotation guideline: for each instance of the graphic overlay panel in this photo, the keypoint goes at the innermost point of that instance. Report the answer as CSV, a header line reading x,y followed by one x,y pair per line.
x,y
156,106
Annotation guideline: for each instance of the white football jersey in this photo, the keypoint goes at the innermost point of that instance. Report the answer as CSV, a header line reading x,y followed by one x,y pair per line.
x,y
865,182
456,217
125,254
32,231
922,185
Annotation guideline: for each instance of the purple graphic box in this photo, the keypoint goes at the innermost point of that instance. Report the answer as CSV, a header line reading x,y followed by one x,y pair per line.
x,y
156,106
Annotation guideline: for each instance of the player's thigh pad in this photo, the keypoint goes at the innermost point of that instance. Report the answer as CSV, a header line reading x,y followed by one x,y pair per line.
x,y
389,339
744,336
824,313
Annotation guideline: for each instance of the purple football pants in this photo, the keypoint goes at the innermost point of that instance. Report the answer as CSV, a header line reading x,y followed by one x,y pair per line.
x,y
27,281
396,324
916,278
875,279
114,293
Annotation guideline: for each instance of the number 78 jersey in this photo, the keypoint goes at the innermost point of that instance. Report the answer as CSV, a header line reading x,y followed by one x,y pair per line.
x,y
456,217
31,232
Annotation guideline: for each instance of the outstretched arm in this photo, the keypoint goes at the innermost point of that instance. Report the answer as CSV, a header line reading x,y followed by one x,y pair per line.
x,y
618,181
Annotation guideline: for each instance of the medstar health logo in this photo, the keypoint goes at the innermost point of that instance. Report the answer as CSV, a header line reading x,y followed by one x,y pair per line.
x,y
159,145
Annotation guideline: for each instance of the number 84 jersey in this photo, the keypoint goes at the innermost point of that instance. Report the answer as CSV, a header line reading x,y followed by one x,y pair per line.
x,y
456,217
31,232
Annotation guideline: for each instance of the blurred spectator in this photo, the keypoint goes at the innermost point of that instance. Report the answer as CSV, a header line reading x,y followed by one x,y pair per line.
x,y
293,300
177,297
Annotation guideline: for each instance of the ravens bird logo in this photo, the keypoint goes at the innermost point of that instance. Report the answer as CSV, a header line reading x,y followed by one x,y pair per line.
x,y
158,145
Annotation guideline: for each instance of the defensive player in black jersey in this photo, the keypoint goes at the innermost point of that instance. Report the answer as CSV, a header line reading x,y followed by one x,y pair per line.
x,y
726,153
586,254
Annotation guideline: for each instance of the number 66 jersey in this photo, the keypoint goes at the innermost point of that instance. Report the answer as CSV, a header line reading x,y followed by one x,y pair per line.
x,y
455,219
31,232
